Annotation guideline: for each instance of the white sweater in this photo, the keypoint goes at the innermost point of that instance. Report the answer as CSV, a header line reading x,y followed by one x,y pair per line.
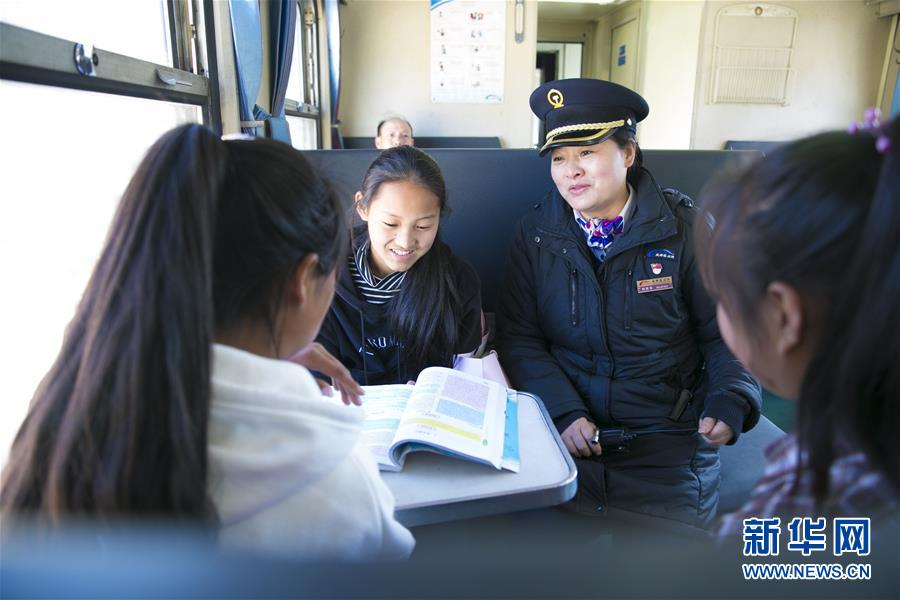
x,y
287,470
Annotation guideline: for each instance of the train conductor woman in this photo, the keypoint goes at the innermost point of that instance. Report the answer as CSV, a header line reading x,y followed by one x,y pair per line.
x,y
606,319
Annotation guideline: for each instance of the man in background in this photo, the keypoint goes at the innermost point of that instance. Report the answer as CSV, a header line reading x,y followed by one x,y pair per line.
x,y
394,131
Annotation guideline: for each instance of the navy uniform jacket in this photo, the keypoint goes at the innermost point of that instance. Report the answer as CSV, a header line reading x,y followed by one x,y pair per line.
x,y
359,334
578,334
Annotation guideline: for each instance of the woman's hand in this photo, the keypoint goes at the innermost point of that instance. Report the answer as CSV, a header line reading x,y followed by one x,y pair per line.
x,y
578,438
316,358
715,431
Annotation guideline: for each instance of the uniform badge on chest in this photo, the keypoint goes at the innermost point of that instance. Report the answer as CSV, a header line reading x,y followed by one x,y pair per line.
x,y
657,284
656,267
663,253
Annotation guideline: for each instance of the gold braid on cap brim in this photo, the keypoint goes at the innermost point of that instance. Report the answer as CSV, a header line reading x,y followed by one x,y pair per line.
x,y
584,127
551,137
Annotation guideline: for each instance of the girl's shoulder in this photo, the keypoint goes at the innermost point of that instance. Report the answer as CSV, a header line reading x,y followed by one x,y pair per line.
x,y
244,383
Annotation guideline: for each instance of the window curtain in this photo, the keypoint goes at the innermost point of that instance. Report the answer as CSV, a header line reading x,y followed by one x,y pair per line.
x,y
333,31
283,26
247,37
247,34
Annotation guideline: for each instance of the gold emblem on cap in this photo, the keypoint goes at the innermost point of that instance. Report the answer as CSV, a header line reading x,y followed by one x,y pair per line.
x,y
555,98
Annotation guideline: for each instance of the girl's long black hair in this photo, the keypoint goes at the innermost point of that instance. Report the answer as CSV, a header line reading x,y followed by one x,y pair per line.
x,y
426,313
207,233
823,215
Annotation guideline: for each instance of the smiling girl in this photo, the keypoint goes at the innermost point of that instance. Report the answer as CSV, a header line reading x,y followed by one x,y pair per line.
x,y
405,302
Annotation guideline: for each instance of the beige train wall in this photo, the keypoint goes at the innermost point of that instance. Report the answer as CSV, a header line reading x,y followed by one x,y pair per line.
x,y
385,69
837,62
667,71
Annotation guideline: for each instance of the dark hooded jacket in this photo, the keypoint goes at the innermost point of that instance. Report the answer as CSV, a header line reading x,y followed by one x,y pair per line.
x,y
360,334
580,335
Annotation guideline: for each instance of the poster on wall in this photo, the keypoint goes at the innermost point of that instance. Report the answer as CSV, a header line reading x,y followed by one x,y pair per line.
x,y
468,45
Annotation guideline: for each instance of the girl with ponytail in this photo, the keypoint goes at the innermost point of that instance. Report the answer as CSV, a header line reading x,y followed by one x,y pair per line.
x,y
170,398
802,253
405,302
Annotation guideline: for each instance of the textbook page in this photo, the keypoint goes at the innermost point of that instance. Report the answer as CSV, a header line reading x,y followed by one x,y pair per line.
x,y
384,406
456,412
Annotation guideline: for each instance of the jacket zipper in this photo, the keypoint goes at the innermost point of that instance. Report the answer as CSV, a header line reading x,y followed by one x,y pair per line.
x,y
629,280
601,279
573,295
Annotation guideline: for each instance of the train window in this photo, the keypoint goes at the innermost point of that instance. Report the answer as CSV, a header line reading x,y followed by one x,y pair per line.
x,y
304,132
61,177
78,124
297,78
302,104
310,62
135,28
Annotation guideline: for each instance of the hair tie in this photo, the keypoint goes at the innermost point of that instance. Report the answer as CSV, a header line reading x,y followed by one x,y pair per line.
x,y
871,123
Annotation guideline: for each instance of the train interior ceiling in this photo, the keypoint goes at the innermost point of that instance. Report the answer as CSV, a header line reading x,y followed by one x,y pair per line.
x,y
86,87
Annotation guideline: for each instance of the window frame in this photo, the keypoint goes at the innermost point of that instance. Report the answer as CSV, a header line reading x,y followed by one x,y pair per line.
x,y
308,106
30,56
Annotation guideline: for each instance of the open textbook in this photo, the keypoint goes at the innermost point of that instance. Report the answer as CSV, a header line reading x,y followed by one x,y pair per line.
x,y
447,412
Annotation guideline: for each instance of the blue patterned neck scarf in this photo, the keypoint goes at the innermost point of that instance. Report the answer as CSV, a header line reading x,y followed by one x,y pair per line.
x,y
601,233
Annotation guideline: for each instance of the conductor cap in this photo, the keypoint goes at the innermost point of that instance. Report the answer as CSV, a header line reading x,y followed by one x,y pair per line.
x,y
582,112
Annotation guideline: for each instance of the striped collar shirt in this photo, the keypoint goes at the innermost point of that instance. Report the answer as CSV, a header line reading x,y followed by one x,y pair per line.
x,y
375,290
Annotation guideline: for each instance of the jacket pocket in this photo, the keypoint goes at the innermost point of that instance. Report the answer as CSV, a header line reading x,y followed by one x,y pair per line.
x,y
653,314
